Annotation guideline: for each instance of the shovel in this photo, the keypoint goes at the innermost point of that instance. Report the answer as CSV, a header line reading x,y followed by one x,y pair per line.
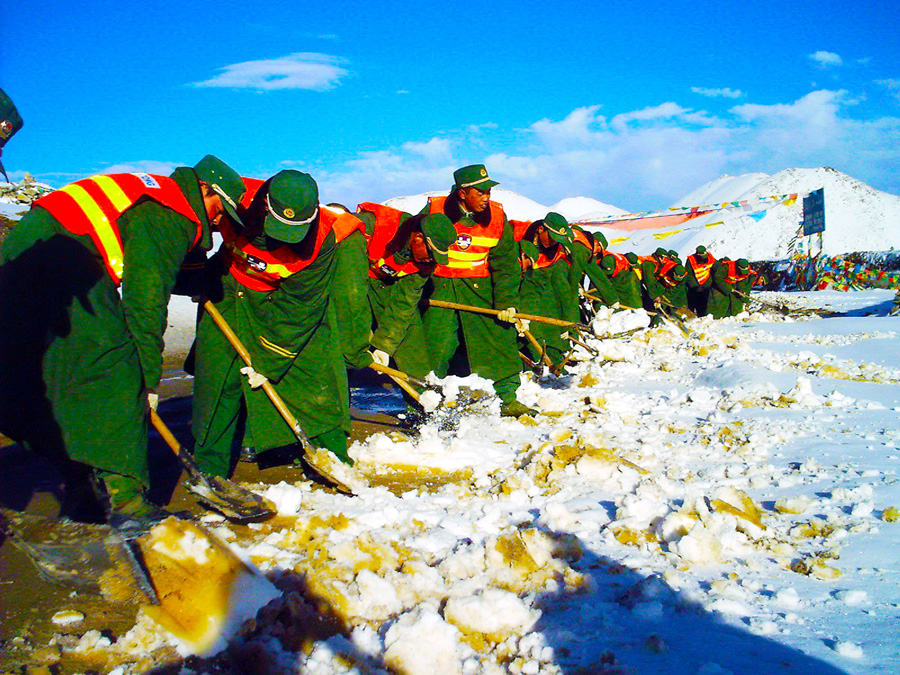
x,y
77,554
236,503
188,581
517,315
319,460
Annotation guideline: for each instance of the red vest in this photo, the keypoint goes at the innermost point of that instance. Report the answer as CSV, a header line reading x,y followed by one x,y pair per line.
x,y
262,270
663,270
701,270
545,261
253,185
344,224
382,264
622,263
732,276
469,255
93,205
582,238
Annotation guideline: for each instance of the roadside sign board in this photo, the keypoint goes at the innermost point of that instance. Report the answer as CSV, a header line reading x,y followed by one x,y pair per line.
x,y
814,212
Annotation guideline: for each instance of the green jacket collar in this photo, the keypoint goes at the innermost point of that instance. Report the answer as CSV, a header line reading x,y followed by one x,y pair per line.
x,y
187,181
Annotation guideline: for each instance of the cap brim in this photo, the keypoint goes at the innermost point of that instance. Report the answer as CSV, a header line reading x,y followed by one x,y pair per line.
x,y
483,185
289,234
232,213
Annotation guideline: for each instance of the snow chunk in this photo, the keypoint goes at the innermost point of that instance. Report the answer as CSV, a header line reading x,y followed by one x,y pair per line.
x,y
849,650
492,612
286,498
406,640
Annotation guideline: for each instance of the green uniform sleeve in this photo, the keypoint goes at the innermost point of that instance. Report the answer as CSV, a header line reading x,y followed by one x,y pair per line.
x,y
288,316
506,270
349,294
400,310
650,282
155,241
719,279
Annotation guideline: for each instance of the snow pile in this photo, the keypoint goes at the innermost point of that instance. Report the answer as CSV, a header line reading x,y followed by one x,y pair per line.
x,y
716,503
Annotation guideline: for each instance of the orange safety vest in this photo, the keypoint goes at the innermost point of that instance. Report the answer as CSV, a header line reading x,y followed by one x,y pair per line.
x,y
252,185
344,224
622,263
93,205
262,270
469,254
520,227
701,270
731,274
582,238
383,265
662,273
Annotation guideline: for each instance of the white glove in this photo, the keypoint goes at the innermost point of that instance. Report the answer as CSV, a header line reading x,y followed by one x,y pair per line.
x,y
380,357
152,399
508,314
256,380
521,325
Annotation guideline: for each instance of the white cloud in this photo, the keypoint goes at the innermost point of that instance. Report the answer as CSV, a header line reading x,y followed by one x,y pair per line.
x,y
306,70
722,93
436,150
826,59
143,166
893,86
638,160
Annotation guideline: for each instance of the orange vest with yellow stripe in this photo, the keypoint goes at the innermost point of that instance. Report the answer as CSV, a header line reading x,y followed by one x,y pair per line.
x,y
382,264
701,270
469,254
731,274
663,270
262,270
520,227
93,205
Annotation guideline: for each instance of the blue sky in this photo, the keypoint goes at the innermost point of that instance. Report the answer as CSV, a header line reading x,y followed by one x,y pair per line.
x,y
632,103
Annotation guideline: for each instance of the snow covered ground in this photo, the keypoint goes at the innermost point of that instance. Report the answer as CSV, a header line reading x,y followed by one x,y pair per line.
x,y
702,505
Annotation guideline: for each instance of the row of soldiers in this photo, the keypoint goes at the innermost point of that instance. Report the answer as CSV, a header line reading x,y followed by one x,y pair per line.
x,y
311,290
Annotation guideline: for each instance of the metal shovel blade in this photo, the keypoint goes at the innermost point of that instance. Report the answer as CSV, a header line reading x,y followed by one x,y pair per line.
x,y
76,554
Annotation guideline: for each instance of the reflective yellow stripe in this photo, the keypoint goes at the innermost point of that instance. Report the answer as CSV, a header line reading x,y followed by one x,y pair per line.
x,y
466,255
113,253
485,241
280,271
281,351
112,190
464,265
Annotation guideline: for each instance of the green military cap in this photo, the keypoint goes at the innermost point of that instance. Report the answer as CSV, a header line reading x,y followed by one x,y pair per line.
x,y
529,250
631,257
224,181
701,250
292,204
678,272
661,253
608,263
743,264
598,236
440,235
475,176
673,254
559,229
10,119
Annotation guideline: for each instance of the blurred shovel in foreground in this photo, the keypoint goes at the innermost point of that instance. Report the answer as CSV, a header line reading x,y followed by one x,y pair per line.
x,y
466,395
188,581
